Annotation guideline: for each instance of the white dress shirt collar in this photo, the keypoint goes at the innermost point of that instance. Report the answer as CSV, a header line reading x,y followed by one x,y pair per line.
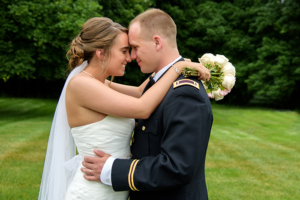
x,y
162,71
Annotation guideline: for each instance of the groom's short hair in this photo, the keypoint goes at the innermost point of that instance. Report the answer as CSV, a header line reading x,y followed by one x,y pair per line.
x,y
155,21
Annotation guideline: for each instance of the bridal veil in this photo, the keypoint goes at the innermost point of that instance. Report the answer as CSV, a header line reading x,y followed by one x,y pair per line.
x,y
61,148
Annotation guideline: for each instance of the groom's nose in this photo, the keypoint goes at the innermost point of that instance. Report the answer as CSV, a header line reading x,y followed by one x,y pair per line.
x,y
133,54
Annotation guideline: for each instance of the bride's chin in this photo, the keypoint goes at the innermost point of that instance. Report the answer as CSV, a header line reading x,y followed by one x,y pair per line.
x,y
119,74
122,74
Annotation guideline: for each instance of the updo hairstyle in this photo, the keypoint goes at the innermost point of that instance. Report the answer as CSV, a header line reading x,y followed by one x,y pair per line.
x,y
96,33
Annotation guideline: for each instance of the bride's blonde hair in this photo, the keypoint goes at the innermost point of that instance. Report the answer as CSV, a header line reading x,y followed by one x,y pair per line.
x,y
96,33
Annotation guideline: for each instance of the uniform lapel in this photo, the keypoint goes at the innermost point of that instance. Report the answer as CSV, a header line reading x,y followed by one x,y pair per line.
x,y
150,83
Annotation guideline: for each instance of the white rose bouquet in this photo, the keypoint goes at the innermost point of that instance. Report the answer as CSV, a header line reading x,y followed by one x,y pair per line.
x,y
222,77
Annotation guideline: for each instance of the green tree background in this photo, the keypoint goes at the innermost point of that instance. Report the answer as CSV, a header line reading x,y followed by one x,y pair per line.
x,y
260,37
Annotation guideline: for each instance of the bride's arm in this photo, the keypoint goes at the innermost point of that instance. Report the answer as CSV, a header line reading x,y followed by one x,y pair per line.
x,y
131,90
128,89
96,96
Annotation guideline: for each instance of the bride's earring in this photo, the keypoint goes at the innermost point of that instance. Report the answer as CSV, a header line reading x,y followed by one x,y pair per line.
x,y
102,64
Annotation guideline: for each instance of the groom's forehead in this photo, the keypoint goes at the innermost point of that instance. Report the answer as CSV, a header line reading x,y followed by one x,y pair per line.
x,y
134,39
135,27
134,31
137,41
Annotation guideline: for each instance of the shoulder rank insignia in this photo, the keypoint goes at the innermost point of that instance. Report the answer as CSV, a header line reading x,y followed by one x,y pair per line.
x,y
186,82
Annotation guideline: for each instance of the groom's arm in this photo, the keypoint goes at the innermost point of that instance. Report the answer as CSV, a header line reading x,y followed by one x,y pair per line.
x,y
187,122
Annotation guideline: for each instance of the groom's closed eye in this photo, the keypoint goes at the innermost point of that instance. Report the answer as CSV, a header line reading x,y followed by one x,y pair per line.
x,y
133,47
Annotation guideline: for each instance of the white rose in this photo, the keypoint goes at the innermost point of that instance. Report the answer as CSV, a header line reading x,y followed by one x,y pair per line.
x,y
228,81
228,69
217,95
221,60
207,58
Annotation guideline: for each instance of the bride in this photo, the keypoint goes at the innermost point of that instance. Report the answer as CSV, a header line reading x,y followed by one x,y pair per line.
x,y
90,115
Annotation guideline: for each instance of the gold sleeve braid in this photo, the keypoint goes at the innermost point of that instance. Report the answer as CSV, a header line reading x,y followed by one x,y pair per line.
x,y
130,175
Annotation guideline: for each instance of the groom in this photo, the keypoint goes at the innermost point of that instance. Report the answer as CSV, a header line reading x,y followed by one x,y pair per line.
x,y
169,148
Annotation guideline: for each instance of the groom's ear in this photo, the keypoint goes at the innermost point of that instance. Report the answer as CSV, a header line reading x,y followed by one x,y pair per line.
x,y
158,42
100,53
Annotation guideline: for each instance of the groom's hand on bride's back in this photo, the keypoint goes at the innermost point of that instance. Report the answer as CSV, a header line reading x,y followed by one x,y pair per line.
x,y
93,165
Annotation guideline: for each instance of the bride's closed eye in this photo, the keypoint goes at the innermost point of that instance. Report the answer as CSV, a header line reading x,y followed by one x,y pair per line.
x,y
125,50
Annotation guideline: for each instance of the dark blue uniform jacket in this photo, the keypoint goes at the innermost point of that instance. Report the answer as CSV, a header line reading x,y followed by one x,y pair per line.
x,y
169,149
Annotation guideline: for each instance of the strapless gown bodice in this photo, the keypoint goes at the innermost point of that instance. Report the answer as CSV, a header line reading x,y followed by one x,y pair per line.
x,y
110,135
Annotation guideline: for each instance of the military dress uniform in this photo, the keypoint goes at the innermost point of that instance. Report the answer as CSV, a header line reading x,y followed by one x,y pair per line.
x,y
169,147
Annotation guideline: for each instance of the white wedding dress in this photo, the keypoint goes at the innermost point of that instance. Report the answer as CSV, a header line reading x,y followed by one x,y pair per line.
x,y
110,135
62,178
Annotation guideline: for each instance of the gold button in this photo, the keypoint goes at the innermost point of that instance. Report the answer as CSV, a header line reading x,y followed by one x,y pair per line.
x,y
136,124
143,128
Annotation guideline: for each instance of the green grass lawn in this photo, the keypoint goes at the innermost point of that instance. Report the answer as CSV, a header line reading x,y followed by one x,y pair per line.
x,y
252,154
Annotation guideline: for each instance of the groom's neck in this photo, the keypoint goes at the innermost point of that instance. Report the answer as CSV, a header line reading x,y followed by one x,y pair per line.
x,y
167,58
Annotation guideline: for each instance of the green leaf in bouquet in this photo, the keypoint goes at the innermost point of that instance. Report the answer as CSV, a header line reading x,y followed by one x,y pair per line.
x,y
215,73
208,65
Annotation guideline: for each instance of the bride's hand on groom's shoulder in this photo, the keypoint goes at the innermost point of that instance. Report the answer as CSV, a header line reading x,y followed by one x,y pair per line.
x,y
203,73
94,165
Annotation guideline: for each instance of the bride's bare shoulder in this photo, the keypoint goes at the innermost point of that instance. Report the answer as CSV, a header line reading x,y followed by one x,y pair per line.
x,y
81,82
